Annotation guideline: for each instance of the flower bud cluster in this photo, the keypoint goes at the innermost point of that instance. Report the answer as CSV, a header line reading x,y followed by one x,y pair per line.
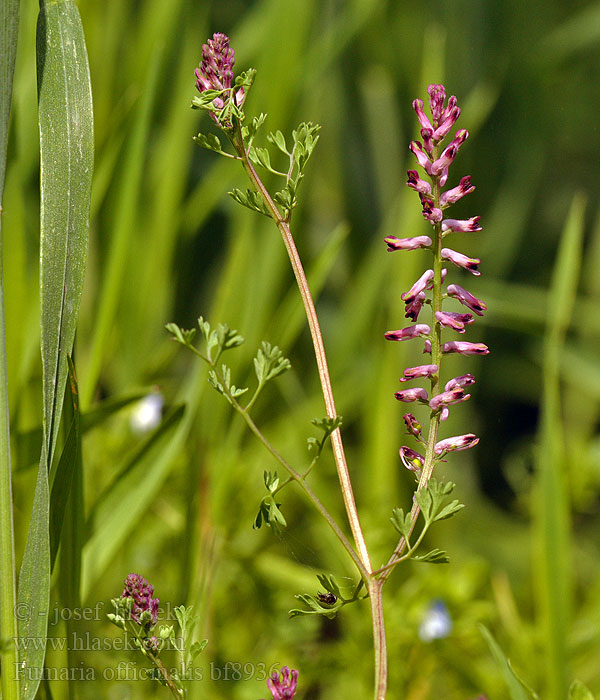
x,y
435,161
144,608
216,74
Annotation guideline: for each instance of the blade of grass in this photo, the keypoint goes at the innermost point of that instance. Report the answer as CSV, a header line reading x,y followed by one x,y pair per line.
x,y
66,163
9,22
118,510
62,477
516,688
553,526
122,235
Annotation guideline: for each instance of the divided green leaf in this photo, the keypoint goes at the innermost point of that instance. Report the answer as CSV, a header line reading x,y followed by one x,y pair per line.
x,y
431,501
269,362
249,131
436,556
269,512
327,425
402,522
278,139
329,584
271,481
185,337
212,143
250,199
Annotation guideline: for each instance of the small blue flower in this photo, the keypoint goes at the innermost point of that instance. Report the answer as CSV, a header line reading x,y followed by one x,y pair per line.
x,y
436,623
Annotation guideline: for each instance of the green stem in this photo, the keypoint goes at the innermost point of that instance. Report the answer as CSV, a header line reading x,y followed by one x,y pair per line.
x,y
379,641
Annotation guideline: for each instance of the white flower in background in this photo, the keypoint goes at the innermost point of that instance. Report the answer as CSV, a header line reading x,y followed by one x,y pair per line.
x,y
147,413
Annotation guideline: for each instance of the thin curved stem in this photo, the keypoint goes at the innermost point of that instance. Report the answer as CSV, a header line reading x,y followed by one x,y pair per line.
x,y
317,338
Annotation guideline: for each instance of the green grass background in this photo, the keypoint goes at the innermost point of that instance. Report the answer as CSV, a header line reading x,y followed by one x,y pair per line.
x,y
167,244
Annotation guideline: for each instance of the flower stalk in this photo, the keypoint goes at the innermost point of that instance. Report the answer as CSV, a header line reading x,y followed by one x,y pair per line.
x,y
222,96
434,202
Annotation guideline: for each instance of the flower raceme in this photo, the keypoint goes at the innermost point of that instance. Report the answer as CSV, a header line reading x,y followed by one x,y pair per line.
x,y
435,160
144,609
215,77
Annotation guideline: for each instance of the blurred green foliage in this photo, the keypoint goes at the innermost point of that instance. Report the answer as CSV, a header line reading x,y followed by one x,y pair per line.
x,y
167,244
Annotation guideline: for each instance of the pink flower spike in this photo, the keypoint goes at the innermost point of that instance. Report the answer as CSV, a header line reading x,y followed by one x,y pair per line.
x,y
416,183
447,398
413,243
462,225
409,333
457,443
453,320
421,156
463,188
411,460
461,260
466,299
410,395
412,425
464,380
423,118
417,372
419,286
413,309
462,347
437,96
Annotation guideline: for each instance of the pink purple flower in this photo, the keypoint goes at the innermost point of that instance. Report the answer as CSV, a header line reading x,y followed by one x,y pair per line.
x,y
394,243
451,196
464,348
417,184
413,308
449,153
411,460
409,333
462,225
447,398
144,609
464,380
453,320
466,299
283,686
431,213
410,395
457,443
412,425
421,156
419,286
461,260
417,372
